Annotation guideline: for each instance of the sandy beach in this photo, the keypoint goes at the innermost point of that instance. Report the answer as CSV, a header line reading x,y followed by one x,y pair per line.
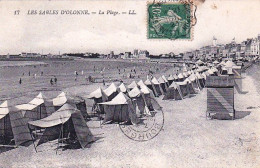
x,y
186,140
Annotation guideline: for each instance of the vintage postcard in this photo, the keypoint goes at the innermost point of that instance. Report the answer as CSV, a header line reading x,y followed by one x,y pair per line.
x,y
130,84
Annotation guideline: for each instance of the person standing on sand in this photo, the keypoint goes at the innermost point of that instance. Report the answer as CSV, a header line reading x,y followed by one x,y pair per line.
x,y
42,73
104,82
29,73
20,81
51,81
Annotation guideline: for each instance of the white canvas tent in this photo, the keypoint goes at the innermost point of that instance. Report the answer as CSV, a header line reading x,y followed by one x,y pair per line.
x,y
157,86
151,86
13,126
75,101
120,109
37,108
163,85
173,92
98,96
65,123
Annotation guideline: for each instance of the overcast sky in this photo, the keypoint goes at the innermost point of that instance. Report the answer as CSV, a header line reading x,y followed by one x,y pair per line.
x,y
223,19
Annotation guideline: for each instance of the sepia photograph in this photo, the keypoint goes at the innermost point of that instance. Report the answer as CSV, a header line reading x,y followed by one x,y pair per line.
x,y
130,84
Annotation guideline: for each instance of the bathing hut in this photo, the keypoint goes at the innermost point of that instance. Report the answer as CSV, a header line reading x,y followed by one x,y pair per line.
x,y
151,86
157,86
220,95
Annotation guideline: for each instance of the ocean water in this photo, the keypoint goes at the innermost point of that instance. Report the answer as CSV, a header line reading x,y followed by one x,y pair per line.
x,y
254,71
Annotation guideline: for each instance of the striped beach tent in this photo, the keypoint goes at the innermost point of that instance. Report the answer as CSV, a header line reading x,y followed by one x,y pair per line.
x,y
13,125
132,85
123,88
163,85
173,92
65,123
111,91
98,96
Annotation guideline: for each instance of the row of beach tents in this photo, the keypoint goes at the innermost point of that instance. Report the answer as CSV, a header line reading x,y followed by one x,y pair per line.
x,y
66,114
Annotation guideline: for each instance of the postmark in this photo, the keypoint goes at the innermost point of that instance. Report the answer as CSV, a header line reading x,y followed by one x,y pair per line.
x,y
147,129
168,20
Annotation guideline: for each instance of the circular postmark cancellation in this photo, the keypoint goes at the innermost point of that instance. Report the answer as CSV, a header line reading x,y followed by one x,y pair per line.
x,y
168,20
148,127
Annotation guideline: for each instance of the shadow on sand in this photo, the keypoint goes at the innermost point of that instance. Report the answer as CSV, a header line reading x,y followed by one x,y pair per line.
x,y
238,115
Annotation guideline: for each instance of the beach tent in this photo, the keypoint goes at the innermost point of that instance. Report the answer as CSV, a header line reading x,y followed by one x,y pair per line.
x,y
13,126
163,85
180,77
175,77
98,96
111,91
75,101
199,62
122,88
37,108
173,92
151,86
120,109
201,80
170,79
65,123
190,87
132,85
166,80
138,101
184,88
157,86
195,82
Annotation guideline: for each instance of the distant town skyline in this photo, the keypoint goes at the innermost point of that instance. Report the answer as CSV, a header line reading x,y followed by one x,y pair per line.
x,y
102,34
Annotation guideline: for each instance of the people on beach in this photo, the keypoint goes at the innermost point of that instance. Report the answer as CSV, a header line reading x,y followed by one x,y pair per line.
x,y
51,81
104,82
29,73
41,73
20,81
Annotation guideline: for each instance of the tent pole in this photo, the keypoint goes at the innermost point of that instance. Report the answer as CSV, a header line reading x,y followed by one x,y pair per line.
x,y
4,128
58,140
32,138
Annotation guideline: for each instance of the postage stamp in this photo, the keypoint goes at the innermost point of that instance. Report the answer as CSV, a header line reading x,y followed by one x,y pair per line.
x,y
149,128
170,20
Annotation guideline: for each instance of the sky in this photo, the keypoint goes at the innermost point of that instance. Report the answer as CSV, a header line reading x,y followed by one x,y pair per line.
x,y
224,19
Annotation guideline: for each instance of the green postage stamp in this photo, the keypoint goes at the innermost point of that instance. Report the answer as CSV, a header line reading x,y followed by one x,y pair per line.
x,y
170,20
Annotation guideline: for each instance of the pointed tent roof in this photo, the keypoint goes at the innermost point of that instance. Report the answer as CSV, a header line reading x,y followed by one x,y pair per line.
x,y
141,83
111,89
155,81
59,117
180,76
145,89
96,94
160,80
122,88
148,82
60,99
189,72
38,100
170,77
185,74
210,72
121,98
135,92
175,76
188,80
164,78
229,64
215,62
192,77
173,85
199,62
132,85
4,109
